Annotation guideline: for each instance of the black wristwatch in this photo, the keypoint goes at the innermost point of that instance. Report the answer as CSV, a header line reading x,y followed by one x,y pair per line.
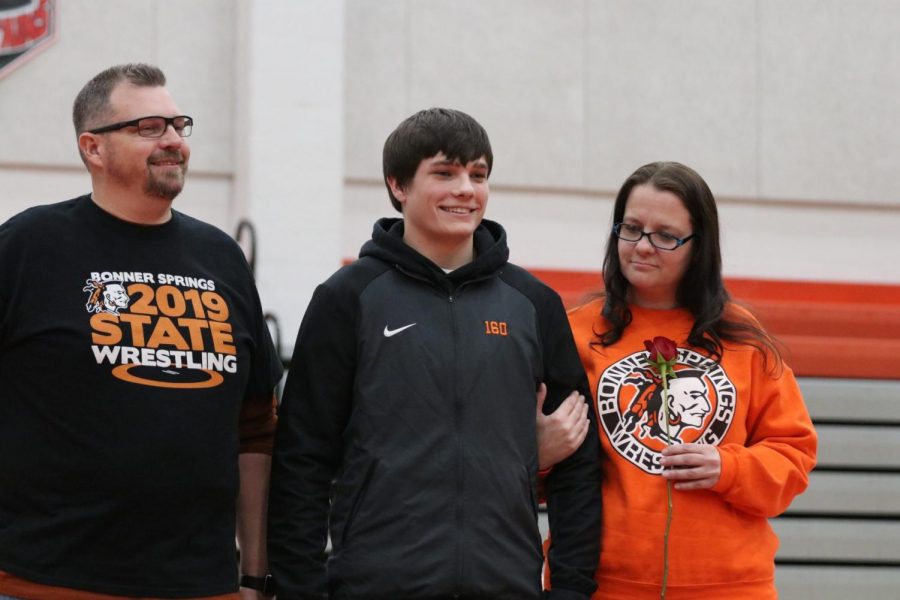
x,y
266,584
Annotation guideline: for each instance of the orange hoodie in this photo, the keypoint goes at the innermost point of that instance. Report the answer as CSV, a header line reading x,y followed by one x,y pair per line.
x,y
721,545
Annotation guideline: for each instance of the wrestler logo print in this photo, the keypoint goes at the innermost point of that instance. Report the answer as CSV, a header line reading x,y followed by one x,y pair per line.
x,y
160,330
629,401
108,297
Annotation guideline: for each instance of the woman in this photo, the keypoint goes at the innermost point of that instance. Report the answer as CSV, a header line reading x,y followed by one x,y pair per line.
x,y
739,443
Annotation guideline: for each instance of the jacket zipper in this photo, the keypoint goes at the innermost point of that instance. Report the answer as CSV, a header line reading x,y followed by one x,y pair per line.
x,y
457,415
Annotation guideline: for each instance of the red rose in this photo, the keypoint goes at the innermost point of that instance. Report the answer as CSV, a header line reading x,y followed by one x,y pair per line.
x,y
661,347
663,355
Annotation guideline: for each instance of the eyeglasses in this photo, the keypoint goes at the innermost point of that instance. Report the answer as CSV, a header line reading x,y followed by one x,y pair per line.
x,y
152,127
658,239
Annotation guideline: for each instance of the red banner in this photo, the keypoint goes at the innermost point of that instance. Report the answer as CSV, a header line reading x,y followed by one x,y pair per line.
x,y
26,28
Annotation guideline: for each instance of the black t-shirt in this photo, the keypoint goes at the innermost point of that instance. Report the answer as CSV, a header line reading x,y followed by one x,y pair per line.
x,y
126,352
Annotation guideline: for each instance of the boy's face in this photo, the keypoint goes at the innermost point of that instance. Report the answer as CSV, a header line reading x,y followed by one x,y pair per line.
x,y
445,201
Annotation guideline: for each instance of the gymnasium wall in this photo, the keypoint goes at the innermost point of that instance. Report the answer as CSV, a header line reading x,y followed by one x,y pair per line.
x,y
787,109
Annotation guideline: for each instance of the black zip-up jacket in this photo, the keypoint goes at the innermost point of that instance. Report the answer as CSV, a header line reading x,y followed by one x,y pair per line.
x,y
407,432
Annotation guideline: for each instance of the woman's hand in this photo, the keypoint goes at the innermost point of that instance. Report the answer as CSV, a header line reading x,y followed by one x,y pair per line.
x,y
691,466
561,432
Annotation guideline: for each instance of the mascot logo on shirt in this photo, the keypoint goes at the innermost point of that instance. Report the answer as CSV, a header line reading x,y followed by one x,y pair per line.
x,y
108,297
629,401
160,330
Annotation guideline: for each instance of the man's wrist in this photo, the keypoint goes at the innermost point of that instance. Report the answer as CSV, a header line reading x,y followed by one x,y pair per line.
x,y
264,584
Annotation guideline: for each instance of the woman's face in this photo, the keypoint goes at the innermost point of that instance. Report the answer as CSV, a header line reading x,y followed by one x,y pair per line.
x,y
654,274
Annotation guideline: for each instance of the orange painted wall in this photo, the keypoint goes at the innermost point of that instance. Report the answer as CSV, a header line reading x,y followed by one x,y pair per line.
x,y
828,329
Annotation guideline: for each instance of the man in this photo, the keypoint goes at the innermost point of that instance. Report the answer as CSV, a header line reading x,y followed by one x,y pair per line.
x,y
135,365
407,428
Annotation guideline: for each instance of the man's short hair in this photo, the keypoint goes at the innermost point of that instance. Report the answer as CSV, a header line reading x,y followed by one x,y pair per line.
x,y
427,133
92,102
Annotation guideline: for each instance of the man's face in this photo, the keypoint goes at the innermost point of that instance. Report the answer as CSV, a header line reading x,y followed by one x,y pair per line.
x,y
687,400
116,295
153,166
445,201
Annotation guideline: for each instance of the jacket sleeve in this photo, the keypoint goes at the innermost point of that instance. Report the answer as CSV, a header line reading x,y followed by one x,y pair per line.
x,y
573,486
308,448
764,475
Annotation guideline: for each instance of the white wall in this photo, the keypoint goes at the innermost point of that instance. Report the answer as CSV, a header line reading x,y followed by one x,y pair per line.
x,y
788,109
288,135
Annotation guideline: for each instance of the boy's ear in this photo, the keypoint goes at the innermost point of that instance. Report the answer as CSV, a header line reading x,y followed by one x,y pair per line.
x,y
398,192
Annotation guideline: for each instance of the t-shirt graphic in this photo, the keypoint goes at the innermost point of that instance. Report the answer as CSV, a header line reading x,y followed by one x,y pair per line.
x,y
160,330
629,401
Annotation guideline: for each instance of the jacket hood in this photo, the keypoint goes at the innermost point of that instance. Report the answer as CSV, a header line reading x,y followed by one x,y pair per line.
x,y
491,253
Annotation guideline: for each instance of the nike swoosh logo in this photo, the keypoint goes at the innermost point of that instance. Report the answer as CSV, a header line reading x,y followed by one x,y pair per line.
x,y
392,332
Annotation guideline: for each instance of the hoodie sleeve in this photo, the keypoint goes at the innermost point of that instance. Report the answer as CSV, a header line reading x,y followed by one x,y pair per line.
x,y
762,476
308,448
573,486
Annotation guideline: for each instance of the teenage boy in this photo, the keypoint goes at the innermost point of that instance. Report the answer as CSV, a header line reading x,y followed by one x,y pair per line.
x,y
407,428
